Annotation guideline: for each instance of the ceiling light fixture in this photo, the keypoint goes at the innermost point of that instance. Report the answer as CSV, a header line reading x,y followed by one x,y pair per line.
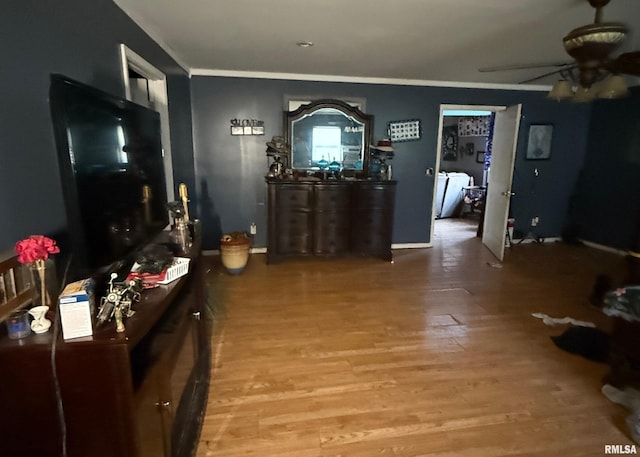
x,y
594,74
613,87
585,94
561,90
592,45
304,44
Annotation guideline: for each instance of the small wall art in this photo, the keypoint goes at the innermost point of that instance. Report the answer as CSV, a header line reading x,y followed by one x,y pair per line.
x,y
539,142
247,127
404,130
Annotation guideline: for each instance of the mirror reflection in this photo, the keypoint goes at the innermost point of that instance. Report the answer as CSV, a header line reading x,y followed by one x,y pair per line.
x,y
328,135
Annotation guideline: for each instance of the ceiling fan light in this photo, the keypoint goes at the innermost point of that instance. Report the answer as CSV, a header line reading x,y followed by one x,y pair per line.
x,y
594,41
561,90
613,87
585,94
604,32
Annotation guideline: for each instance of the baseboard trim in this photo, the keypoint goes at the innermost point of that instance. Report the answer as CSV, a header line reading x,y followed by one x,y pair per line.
x,y
411,245
553,239
602,247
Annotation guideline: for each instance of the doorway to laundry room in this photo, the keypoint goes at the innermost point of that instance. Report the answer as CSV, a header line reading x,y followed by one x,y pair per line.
x,y
474,169
462,175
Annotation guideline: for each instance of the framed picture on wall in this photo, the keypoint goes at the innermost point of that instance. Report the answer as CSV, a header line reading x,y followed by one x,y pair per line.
x,y
404,130
450,143
539,142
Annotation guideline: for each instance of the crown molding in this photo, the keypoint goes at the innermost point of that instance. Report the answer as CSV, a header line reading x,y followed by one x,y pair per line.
x,y
364,80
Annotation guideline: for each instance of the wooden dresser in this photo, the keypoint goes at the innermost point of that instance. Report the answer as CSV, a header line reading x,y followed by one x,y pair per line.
x,y
325,218
134,394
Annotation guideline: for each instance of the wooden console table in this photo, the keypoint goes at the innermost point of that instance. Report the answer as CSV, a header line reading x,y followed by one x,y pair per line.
x,y
326,218
135,394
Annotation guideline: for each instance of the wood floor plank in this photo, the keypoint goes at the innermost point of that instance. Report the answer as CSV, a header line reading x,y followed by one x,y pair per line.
x,y
436,354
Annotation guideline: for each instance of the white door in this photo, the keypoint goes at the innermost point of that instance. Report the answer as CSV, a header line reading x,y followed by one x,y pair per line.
x,y
503,153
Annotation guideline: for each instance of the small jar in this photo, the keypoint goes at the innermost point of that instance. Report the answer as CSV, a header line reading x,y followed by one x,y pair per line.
x,y
18,324
181,237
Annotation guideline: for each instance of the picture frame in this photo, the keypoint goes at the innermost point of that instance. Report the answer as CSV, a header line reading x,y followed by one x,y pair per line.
x,y
242,127
480,156
409,130
539,142
450,143
467,149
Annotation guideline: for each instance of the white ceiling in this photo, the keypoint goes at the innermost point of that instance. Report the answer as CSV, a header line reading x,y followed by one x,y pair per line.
x,y
418,40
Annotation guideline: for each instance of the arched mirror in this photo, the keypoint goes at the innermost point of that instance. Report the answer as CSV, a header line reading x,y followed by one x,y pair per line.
x,y
324,132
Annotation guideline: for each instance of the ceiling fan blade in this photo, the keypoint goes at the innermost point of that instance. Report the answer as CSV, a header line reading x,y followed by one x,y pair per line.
x,y
565,68
525,66
628,63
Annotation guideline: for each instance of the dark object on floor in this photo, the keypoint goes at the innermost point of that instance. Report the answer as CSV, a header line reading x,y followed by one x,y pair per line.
x,y
588,342
602,285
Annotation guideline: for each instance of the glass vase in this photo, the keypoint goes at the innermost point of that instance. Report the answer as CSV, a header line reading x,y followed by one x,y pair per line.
x,y
45,284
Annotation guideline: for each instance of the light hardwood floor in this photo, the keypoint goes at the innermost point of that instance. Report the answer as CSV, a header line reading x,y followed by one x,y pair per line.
x,y
436,354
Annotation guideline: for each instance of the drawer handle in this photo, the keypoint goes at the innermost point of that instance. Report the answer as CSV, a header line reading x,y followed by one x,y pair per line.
x,y
163,405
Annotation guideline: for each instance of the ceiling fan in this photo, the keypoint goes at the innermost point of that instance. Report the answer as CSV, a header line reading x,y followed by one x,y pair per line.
x,y
591,47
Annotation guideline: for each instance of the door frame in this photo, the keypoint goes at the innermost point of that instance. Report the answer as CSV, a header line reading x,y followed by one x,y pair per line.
x,y
443,108
157,84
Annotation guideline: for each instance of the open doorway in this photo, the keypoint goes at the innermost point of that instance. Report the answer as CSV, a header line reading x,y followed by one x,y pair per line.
x,y
461,191
145,85
462,171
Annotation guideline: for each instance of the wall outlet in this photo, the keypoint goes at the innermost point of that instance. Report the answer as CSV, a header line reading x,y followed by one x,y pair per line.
x,y
534,221
253,229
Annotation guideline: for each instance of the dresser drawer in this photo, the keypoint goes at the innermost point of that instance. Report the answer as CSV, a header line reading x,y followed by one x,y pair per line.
x,y
288,243
331,197
374,196
294,222
331,242
294,197
331,220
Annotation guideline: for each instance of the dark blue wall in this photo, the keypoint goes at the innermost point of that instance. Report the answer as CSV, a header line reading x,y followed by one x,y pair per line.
x,y
79,39
232,168
606,203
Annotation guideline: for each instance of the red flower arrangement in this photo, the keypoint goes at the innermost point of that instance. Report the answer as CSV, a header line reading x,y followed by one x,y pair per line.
x,y
35,250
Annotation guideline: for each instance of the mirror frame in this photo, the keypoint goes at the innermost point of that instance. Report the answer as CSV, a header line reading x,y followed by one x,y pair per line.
x,y
310,108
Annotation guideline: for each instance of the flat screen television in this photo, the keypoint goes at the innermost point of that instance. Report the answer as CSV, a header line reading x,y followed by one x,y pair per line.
x,y
112,171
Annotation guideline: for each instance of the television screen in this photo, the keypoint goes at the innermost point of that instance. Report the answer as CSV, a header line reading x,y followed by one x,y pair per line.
x,y
112,171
